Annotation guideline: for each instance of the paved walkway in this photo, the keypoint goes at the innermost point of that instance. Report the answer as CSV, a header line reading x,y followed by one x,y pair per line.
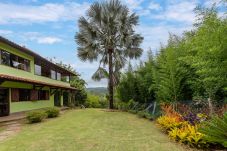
x,y
12,117
12,124
11,128
20,115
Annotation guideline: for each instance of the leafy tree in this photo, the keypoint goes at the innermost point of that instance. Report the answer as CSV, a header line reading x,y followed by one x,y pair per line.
x,y
107,34
81,95
188,67
209,50
126,87
172,72
135,85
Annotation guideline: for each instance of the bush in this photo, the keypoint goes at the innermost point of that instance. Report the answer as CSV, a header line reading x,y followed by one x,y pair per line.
x,y
182,131
188,134
94,101
215,130
194,118
141,114
123,106
52,112
35,116
132,111
170,122
149,116
144,114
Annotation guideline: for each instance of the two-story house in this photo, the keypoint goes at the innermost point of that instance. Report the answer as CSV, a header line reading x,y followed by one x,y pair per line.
x,y
28,81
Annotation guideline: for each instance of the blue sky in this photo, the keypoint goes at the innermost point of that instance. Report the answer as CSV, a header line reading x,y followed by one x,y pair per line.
x,y
48,27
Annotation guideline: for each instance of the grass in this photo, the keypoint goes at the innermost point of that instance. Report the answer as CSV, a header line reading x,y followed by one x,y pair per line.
x,y
1,129
91,130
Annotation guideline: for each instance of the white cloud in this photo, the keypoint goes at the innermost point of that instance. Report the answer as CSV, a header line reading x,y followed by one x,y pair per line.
x,y
175,10
5,32
143,12
48,40
181,12
40,38
154,6
133,4
49,12
154,35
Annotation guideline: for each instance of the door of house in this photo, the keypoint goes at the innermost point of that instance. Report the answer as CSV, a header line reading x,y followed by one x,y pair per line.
x,y
57,99
66,98
4,102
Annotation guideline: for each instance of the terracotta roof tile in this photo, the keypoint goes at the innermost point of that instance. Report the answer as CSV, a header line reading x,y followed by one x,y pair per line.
x,y
19,79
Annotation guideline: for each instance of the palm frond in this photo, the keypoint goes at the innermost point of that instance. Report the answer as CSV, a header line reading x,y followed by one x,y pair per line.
x,y
100,73
108,25
86,53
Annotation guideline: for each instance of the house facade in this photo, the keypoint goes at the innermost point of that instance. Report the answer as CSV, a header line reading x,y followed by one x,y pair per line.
x,y
28,81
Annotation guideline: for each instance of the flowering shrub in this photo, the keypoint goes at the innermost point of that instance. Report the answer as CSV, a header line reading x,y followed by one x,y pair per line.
x,y
182,128
195,129
193,118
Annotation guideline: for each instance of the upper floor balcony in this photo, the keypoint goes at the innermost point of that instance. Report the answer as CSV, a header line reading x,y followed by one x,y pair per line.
x,y
21,62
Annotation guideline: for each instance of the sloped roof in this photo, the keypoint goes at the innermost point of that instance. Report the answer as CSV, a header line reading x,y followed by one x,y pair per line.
x,y
19,79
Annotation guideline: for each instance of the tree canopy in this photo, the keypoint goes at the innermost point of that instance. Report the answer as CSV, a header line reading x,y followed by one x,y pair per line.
x,y
107,35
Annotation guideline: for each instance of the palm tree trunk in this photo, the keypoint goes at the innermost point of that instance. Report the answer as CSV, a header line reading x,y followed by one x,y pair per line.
x,y
110,51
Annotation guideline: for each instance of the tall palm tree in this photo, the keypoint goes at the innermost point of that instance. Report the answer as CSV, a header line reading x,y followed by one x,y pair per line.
x,y
107,35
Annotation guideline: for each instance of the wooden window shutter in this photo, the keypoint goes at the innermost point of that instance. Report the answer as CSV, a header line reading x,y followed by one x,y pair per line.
x,y
15,95
34,95
47,97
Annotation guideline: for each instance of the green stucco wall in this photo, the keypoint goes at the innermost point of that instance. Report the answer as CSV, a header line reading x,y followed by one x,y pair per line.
x,y
24,74
30,105
27,105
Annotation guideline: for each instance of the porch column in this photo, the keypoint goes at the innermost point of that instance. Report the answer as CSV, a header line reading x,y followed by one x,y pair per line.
x,y
10,100
61,98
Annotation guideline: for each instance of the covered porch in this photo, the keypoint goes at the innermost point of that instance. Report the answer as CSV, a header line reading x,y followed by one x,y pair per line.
x,y
19,94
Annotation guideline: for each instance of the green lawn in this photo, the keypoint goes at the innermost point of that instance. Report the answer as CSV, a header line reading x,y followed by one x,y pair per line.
x,y
1,129
91,130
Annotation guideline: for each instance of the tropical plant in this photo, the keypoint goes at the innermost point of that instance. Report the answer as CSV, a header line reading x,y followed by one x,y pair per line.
x,y
172,72
169,111
108,35
188,134
80,96
215,130
192,118
168,123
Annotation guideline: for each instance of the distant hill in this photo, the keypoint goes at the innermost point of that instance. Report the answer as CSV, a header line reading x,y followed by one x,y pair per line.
x,y
97,90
